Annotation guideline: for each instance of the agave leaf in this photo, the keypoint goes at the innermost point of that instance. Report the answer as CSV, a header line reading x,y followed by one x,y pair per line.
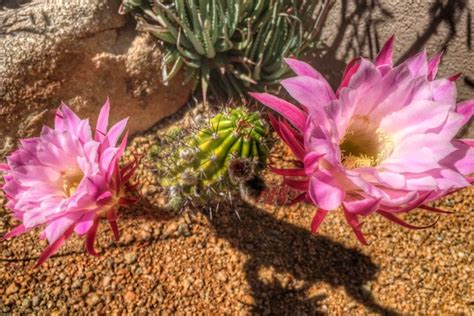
x,y
235,15
244,77
187,31
160,32
170,56
162,20
184,52
277,74
183,13
193,13
205,78
223,44
208,45
251,50
247,39
270,47
213,30
227,85
190,74
203,7
229,45
258,9
236,86
175,69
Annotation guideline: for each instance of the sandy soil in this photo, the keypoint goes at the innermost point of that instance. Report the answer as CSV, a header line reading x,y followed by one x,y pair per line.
x,y
266,262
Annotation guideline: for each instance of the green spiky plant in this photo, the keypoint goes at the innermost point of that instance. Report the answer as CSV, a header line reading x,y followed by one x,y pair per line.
x,y
230,46
221,158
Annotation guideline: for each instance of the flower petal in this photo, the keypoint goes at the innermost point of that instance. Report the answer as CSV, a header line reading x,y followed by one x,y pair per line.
x,y
102,121
115,131
362,207
90,238
293,114
324,191
54,247
417,118
308,91
318,219
85,223
433,65
356,226
401,222
418,64
386,53
18,230
466,109
112,218
296,172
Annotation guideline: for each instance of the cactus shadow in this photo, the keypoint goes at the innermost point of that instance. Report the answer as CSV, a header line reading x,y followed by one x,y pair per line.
x,y
288,249
362,22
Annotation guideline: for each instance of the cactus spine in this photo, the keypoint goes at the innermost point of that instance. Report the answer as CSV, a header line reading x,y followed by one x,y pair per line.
x,y
197,171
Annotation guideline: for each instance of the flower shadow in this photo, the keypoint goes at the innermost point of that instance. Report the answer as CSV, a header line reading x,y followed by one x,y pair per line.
x,y
288,249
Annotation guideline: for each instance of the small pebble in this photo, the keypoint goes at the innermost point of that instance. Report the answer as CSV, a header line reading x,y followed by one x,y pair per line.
x,y
92,299
130,257
11,289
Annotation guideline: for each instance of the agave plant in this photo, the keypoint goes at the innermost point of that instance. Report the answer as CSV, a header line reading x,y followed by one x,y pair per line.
x,y
229,46
220,157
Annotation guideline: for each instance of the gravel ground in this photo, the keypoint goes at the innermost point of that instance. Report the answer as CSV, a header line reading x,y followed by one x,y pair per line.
x,y
265,262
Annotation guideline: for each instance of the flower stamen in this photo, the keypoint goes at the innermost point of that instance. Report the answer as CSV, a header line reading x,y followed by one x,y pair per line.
x,y
71,180
364,145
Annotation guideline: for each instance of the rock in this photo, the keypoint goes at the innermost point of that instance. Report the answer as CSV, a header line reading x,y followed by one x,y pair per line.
x,y
92,299
35,301
106,281
221,276
128,238
129,297
367,287
80,53
183,230
130,257
86,288
169,230
12,289
144,236
26,303
56,291
76,284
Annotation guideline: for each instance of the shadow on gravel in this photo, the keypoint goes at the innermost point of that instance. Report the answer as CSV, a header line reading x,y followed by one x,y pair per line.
x,y
288,249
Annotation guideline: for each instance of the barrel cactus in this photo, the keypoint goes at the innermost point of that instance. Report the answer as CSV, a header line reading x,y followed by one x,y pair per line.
x,y
229,46
219,159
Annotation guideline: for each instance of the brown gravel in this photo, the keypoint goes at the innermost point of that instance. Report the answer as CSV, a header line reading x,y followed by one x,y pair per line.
x,y
266,262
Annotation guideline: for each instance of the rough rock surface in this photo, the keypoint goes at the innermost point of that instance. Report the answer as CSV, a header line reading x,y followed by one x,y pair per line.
x,y
80,53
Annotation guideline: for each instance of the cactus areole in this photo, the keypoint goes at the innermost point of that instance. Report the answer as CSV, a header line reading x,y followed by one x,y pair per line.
x,y
197,171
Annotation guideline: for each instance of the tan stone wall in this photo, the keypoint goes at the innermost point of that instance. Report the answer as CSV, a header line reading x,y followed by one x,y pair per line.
x,y
360,27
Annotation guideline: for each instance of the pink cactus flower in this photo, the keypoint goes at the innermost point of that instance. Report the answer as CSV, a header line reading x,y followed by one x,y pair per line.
x,y
383,142
66,179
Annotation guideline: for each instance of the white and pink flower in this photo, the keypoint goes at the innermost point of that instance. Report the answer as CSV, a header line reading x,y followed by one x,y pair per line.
x,y
383,142
67,179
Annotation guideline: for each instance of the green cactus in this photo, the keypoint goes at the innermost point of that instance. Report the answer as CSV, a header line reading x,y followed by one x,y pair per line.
x,y
231,46
215,161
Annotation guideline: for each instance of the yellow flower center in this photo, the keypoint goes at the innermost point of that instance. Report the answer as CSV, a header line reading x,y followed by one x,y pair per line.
x,y
364,145
71,179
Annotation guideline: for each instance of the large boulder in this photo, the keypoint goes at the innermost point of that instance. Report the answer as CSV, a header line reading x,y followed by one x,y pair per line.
x,y
78,53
